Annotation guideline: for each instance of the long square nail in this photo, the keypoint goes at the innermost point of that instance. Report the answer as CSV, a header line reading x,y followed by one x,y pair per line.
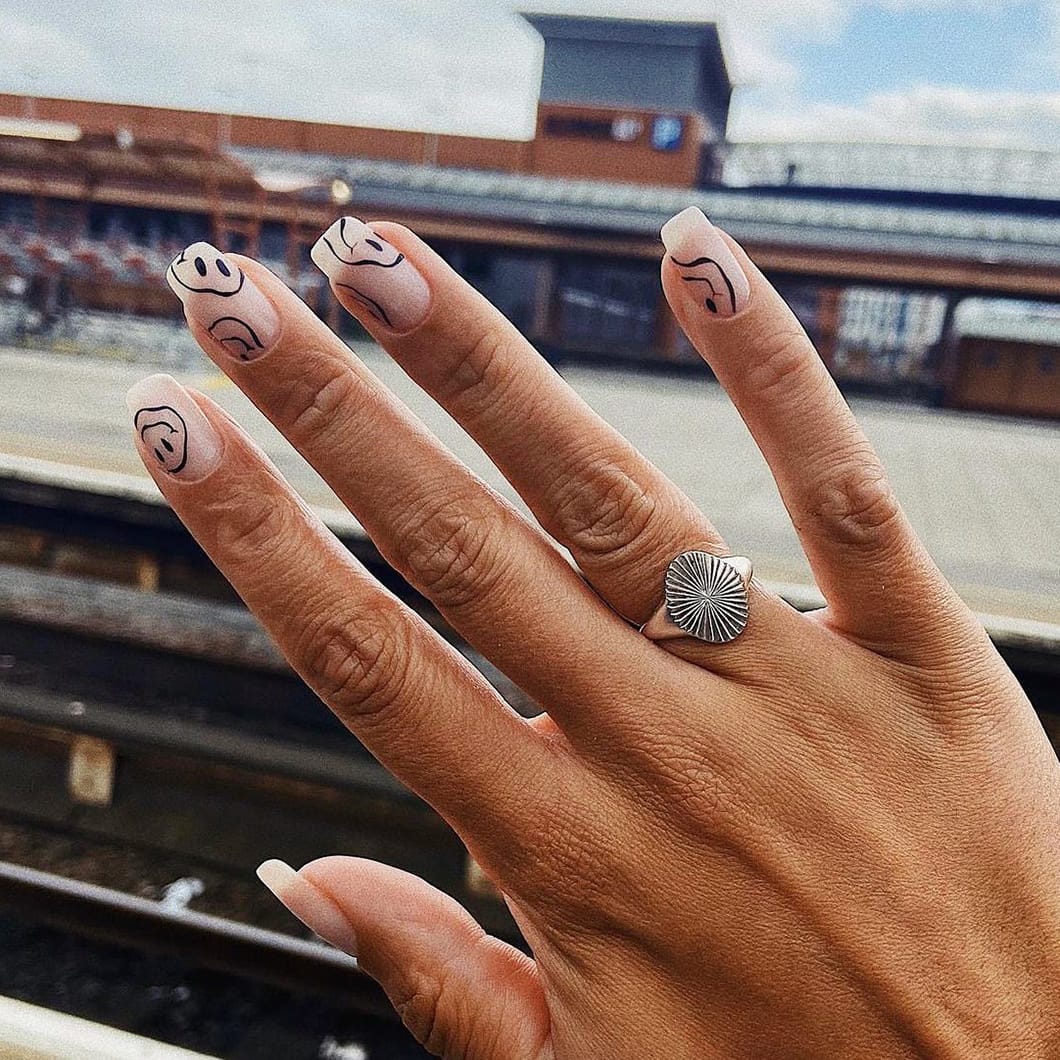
x,y
314,908
220,297
372,274
705,263
172,433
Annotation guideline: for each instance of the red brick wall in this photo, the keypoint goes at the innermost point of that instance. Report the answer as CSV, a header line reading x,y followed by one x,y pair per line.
x,y
548,155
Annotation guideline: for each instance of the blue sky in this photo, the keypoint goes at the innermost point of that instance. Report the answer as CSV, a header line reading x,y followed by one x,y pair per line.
x,y
882,49
907,70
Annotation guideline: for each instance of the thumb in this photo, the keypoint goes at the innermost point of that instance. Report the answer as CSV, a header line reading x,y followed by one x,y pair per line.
x,y
463,994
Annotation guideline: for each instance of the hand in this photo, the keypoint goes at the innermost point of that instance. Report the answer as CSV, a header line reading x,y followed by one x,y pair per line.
x,y
834,836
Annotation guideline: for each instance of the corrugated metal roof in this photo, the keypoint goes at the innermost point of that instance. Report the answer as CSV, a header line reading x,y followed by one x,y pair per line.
x,y
1004,171
969,234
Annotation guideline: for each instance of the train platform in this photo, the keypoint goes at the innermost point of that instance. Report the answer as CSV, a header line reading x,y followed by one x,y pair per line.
x,y
984,492
28,1032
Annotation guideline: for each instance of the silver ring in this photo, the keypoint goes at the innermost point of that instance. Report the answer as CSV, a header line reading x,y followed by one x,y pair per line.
x,y
705,596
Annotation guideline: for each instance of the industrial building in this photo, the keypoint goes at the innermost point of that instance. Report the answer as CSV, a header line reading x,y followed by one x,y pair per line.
x,y
921,272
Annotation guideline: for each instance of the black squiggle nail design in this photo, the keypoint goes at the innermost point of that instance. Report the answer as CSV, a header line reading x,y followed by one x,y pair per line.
x,y
364,261
370,304
711,301
363,269
164,432
236,335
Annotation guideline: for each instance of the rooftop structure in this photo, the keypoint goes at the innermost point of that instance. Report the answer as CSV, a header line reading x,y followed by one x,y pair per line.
x,y
634,100
758,216
677,67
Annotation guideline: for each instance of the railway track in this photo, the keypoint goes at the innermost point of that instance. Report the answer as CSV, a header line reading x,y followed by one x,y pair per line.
x,y
172,724
285,998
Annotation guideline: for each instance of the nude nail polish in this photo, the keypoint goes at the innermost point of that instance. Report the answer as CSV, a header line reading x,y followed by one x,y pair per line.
x,y
312,906
708,270
172,433
220,297
372,273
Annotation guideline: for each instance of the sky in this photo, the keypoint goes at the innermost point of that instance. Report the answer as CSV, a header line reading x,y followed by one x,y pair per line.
x,y
914,71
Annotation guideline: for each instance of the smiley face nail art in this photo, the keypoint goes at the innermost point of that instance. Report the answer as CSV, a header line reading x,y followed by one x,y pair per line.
x,y
372,274
705,264
201,269
172,433
220,297
165,434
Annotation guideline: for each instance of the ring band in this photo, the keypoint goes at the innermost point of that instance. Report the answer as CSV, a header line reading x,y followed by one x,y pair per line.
x,y
705,596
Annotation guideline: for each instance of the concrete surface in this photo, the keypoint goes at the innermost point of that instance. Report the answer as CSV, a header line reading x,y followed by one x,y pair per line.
x,y
984,492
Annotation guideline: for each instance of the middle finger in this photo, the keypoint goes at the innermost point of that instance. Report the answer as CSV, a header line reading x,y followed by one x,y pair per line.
x,y
500,581
621,518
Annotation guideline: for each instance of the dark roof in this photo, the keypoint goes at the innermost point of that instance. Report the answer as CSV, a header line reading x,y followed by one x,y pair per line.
x,y
969,233
625,30
684,64
100,156
1014,172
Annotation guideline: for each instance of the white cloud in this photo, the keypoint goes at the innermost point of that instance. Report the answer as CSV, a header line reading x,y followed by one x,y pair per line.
x,y
30,50
458,65
921,114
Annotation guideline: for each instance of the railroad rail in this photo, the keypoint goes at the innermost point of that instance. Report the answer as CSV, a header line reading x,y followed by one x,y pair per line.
x,y
152,733
248,952
132,686
245,992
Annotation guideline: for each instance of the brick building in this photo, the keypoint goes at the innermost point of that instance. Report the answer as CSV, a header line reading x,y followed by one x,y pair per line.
x,y
877,247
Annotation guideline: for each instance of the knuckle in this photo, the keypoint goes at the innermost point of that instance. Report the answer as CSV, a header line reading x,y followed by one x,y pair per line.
x,y
786,364
313,403
359,668
476,380
601,509
430,1007
855,505
252,528
449,549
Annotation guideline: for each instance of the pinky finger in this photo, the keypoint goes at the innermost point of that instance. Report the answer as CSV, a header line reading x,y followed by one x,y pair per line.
x,y
459,991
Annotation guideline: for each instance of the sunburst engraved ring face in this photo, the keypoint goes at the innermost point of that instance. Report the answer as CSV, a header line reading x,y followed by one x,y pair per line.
x,y
706,597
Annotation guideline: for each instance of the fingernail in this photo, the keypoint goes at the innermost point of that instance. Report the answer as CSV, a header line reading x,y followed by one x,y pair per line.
x,y
312,906
705,263
171,431
373,273
220,297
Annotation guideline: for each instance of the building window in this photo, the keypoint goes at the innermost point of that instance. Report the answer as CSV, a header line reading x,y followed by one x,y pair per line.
x,y
607,309
578,127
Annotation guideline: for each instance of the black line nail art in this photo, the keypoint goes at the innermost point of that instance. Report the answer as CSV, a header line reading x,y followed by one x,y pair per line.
x,y
710,302
239,333
370,304
364,261
164,432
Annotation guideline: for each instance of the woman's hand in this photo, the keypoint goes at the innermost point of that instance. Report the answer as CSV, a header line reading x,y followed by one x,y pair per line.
x,y
834,836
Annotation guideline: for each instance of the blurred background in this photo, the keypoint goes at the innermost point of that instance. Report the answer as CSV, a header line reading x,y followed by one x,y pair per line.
x,y
893,167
